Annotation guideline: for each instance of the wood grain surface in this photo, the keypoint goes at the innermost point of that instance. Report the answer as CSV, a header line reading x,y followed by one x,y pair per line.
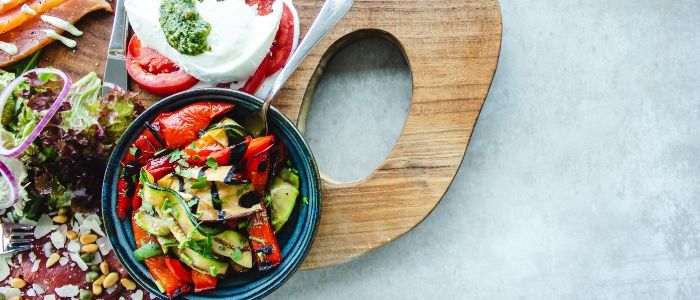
x,y
452,48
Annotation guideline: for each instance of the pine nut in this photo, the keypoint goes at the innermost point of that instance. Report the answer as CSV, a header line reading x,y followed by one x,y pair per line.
x,y
128,284
104,267
53,258
99,281
60,219
15,298
90,248
88,238
110,280
72,235
96,289
18,283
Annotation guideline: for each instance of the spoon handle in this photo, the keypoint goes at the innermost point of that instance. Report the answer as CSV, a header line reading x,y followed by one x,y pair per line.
x,y
331,12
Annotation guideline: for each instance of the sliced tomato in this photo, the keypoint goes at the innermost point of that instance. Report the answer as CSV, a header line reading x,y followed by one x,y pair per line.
x,y
154,72
254,82
179,270
282,44
264,6
203,282
181,127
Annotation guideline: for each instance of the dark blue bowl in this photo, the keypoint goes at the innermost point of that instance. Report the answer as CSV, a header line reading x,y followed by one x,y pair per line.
x,y
295,237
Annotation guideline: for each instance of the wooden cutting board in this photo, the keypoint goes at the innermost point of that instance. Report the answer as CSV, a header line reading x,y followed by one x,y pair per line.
x,y
452,47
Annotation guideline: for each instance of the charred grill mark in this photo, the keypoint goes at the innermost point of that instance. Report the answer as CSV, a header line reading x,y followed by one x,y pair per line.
x,y
155,131
181,184
215,196
249,199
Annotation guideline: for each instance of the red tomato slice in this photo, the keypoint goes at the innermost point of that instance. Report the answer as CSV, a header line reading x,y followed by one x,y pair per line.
x,y
264,6
282,45
154,72
254,82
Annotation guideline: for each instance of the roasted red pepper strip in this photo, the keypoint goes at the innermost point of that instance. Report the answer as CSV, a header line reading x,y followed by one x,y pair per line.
x,y
179,270
123,199
257,169
181,127
158,267
199,156
137,201
258,145
160,167
266,250
223,157
203,282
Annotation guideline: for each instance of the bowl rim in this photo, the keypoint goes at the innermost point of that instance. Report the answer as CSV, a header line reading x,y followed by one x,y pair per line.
x,y
263,285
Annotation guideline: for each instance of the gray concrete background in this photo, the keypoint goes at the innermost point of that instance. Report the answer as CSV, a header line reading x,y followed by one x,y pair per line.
x,y
581,180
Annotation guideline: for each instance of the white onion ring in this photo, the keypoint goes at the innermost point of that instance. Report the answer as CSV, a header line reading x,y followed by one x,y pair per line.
x,y
12,183
7,92
14,152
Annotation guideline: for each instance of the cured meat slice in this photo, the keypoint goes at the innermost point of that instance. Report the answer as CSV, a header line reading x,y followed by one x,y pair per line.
x,y
15,16
30,36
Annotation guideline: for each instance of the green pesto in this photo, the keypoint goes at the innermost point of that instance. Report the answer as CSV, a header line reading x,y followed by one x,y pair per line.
x,y
184,28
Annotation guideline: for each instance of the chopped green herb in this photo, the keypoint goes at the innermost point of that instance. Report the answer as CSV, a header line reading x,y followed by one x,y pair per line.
x,y
193,202
305,200
242,224
257,239
175,156
200,184
237,255
147,250
133,150
196,157
183,163
268,200
211,162
161,151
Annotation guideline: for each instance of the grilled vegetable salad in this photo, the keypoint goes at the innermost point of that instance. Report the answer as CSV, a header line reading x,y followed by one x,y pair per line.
x,y
205,197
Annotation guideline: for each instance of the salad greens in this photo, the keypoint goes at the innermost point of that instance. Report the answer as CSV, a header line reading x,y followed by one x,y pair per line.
x,y
81,135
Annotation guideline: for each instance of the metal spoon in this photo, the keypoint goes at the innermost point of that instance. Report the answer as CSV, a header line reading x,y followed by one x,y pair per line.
x,y
331,12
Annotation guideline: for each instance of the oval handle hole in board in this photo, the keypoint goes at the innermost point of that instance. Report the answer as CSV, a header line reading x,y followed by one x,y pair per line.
x,y
356,104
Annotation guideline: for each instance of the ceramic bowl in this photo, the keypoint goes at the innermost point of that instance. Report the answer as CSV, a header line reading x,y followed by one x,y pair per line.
x,y
295,238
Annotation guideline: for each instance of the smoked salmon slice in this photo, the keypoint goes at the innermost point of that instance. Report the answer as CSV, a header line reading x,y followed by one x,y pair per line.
x,y
10,5
30,36
16,16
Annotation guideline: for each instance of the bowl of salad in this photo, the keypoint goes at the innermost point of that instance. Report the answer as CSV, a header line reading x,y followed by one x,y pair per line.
x,y
200,204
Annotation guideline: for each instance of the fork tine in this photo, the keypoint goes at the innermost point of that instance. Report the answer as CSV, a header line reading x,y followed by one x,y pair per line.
x,y
16,249
20,227
21,234
19,242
